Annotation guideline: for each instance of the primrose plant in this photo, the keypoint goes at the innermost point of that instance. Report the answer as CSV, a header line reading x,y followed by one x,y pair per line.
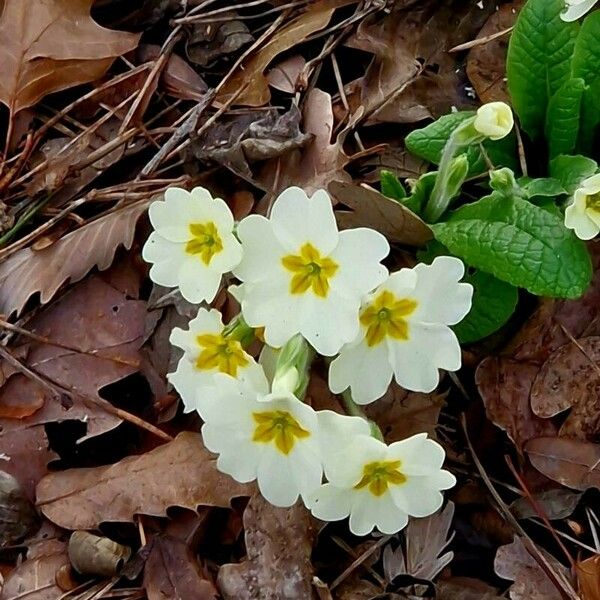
x,y
518,215
306,288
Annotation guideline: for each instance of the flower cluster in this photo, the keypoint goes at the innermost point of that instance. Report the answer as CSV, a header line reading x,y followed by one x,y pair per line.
x,y
305,288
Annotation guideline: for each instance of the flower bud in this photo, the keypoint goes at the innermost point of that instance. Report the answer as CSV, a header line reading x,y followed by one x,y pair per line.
x,y
494,120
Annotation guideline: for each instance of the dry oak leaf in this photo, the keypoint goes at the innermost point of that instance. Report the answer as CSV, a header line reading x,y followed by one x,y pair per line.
x,y
486,63
97,318
279,543
172,571
70,259
573,463
570,378
35,578
180,473
251,72
372,209
504,386
320,161
588,577
53,45
514,562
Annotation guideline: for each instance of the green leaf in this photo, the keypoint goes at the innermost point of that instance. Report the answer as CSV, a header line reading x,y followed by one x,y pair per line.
x,y
545,186
519,243
539,60
562,120
586,64
391,186
572,170
421,191
494,301
428,143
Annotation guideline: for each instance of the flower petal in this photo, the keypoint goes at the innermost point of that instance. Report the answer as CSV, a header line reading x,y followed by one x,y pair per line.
x,y
197,283
346,468
329,503
441,298
228,258
274,479
167,258
262,252
296,219
366,370
416,497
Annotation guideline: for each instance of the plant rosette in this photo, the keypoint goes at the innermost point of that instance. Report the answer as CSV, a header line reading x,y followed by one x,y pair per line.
x,y
192,244
380,486
207,351
405,332
301,275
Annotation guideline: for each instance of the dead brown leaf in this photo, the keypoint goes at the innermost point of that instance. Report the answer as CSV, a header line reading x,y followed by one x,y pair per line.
x,y
180,473
504,386
319,162
93,316
279,544
284,75
486,63
27,272
412,76
172,571
588,576
35,578
18,518
572,463
315,18
465,588
530,582
558,503
570,378
372,209
52,46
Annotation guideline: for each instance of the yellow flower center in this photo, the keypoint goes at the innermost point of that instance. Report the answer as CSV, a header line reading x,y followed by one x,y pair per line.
x,y
385,316
592,202
205,242
379,475
218,352
311,271
279,427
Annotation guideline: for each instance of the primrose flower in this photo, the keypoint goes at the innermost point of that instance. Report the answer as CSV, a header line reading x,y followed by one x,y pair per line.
x,y
207,352
404,332
583,214
192,244
301,275
494,120
272,438
576,8
381,486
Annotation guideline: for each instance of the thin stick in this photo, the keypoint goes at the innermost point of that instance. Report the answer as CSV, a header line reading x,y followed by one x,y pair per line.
x,y
480,41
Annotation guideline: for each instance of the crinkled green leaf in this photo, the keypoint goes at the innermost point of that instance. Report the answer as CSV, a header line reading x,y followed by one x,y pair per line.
x,y
428,143
519,243
572,170
586,64
391,186
562,119
539,60
494,302
544,186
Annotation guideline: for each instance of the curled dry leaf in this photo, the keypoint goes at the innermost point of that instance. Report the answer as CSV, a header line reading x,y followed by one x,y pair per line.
x,y
251,71
94,317
27,272
426,539
320,161
504,386
94,555
284,76
558,503
172,571
51,46
180,473
372,209
486,63
35,578
570,378
18,518
530,582
279,544
572,463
